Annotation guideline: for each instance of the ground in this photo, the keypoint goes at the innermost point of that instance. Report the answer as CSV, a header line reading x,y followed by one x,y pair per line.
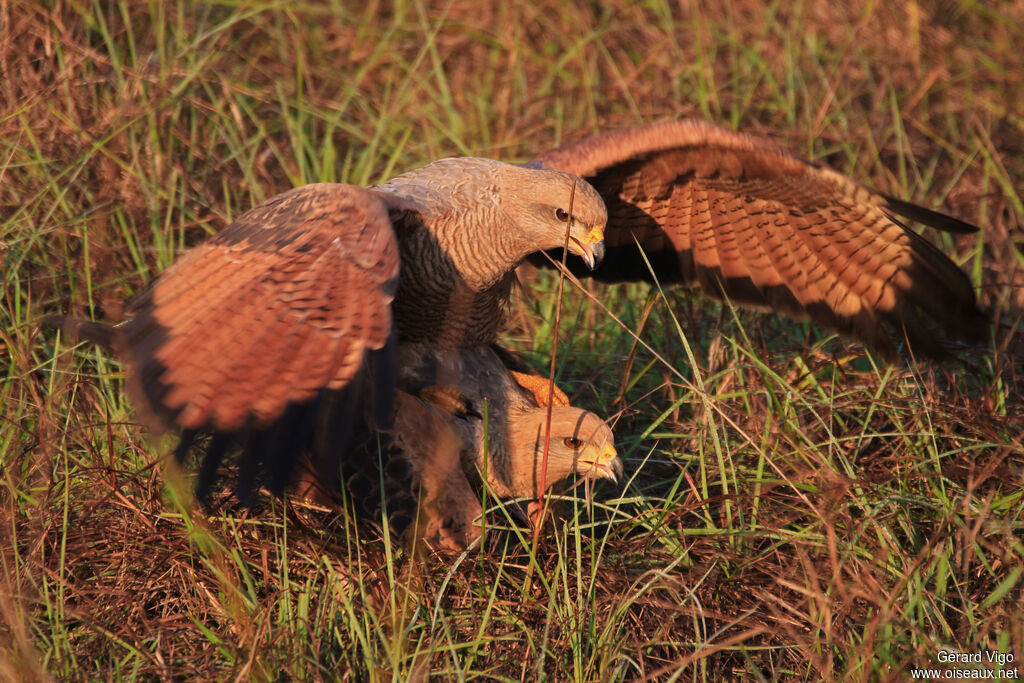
x,y
796,509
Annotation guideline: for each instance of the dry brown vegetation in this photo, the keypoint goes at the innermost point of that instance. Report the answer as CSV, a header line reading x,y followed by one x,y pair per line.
x,y
797,511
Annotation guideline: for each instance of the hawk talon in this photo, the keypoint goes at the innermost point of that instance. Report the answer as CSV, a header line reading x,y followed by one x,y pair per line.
x,y
449,399
470,412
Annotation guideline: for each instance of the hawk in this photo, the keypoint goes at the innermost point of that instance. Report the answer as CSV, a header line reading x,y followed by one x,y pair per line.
x,y
332,312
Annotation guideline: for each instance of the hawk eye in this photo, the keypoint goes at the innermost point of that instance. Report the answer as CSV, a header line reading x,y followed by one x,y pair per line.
x,y
572,442
562,215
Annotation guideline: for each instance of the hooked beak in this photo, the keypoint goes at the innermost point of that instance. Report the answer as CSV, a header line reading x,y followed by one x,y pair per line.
x,y
607,465
590,248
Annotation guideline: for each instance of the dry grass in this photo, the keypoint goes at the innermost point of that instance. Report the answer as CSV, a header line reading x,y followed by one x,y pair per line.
x,y
796,511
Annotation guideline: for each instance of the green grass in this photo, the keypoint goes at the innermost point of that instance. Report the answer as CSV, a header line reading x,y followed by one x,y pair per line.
x,y
795,508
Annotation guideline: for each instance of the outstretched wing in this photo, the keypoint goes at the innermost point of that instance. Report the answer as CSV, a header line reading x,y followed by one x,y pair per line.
x,y
275,334
286,301
744,220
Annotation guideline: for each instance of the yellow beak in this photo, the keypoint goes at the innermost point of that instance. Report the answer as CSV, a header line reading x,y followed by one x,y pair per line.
x,y
590,248
607,465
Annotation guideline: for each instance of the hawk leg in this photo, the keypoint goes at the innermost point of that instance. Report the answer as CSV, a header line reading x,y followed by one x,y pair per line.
x,y
306,485
448,506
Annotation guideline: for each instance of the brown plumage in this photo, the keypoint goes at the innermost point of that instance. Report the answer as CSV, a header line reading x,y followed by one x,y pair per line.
x,y
289,333
442,455
261,315
331,312
297,294
742,219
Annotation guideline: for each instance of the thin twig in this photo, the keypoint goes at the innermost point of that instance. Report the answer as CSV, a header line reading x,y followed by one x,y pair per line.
x,y
541,498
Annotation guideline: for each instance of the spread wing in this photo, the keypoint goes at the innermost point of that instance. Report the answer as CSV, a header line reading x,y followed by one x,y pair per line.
x,y
744,220
273,334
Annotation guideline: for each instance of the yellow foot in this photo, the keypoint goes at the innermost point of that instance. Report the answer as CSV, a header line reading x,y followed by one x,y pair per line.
x,y
449,399
541,389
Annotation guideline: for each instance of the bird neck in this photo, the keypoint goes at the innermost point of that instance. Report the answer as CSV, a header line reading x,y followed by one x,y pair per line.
x,y
449,294
482,266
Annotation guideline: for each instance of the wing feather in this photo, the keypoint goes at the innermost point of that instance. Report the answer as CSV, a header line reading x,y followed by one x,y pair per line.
x,y
742,219
285,302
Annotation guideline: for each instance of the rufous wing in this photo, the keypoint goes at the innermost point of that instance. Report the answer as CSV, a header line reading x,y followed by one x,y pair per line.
x,y
744,220
285,302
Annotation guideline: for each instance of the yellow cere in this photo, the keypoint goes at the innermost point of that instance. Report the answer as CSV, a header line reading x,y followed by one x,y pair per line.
x,y
594,235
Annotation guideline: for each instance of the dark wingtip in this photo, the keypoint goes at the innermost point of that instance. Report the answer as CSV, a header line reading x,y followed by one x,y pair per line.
x,y
97,333
54,321
383,378
933,219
